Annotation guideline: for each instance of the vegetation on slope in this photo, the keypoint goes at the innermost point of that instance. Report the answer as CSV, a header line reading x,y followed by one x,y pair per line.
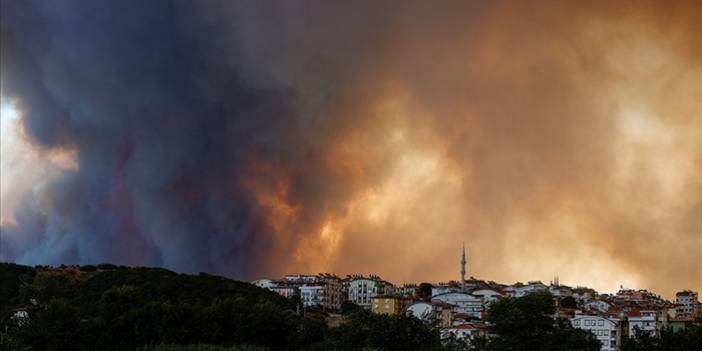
x,y
107,307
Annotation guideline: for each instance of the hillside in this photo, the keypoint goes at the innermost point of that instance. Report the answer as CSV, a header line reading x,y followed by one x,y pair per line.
x,y
115,307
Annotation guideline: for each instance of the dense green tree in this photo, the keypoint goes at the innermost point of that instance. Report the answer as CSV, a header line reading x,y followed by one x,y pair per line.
x,y
348,308
384,332
527,323
569,302
689,339
424,291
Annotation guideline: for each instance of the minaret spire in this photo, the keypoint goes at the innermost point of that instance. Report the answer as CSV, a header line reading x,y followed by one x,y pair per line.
x,y
463,268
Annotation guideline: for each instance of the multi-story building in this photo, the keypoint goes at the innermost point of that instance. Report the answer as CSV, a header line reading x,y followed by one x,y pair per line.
x,y
408,290
333,293
607,330
323,290
385,304
284,290
687,304
312,294
645,321
463,303
361,290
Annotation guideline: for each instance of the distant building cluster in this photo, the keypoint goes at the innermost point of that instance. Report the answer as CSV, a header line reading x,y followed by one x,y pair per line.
x,y
460,307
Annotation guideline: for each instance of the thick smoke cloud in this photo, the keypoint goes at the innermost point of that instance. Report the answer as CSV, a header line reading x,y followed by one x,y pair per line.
x,y
256,138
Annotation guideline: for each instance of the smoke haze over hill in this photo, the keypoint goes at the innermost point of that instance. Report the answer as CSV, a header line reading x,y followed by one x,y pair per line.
x,y
262,138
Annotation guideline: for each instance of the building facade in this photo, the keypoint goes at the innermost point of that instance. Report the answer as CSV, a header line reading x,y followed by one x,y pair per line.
x,y
362,290
607,330
392,305
687,304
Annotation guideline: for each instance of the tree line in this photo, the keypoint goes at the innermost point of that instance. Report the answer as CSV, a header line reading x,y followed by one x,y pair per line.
x,y
109,307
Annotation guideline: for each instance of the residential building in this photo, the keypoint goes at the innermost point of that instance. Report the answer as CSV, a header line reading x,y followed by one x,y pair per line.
x,y
687,304
584,294
464,330
442,288
311,295
598,305
607,330
361,290
430,311
488,295
531,287
285,290
463,303
389,304
264,283
646,321
322,290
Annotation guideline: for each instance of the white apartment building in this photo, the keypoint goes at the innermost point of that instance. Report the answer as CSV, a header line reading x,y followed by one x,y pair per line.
x,y
646,321
607,330
362,290
311,295
463,303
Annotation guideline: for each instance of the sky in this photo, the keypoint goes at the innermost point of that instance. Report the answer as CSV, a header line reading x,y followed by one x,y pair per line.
x,y
261,138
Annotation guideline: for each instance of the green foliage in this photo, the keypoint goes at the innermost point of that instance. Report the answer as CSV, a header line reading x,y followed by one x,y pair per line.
x,y
384,332
424,291
12,276
689,339
527,323
569,302
348,308
200,347
120,308
8,342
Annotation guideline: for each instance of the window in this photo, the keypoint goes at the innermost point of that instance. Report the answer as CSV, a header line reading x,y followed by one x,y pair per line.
x,y
600,323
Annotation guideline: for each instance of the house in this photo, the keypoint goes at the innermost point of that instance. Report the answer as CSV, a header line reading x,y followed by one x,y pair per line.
x,y
465,330
608,330
598,305
20,316
520,290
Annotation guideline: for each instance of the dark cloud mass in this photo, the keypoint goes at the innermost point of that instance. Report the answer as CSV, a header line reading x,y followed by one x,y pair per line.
x,y
263,138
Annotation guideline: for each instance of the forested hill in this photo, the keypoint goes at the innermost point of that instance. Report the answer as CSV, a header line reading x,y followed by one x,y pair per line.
x,y
116,307
84,286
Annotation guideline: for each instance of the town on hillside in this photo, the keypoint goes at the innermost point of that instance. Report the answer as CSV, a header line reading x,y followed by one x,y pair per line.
x,y
460,307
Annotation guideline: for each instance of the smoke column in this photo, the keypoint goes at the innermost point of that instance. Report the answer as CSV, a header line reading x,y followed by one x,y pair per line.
x,y
261,138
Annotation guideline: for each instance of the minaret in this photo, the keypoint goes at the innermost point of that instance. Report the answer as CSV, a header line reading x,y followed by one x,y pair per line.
x,y
463,268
